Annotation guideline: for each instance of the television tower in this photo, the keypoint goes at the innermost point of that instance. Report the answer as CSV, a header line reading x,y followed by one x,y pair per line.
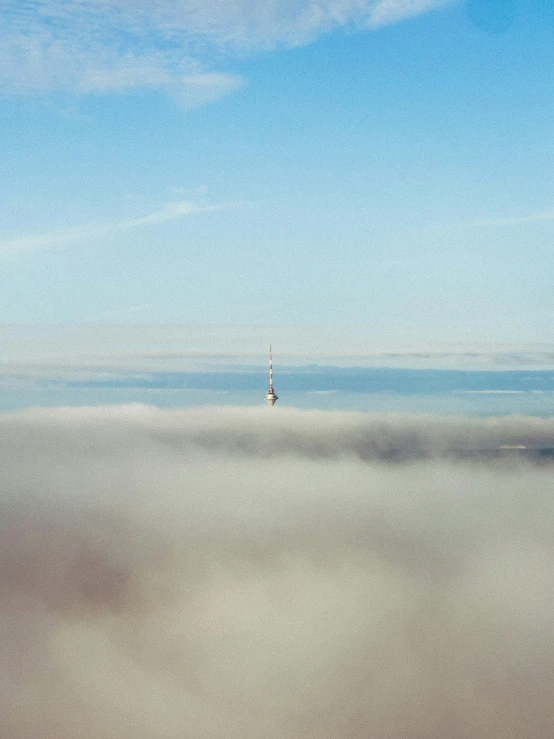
x,y
271,398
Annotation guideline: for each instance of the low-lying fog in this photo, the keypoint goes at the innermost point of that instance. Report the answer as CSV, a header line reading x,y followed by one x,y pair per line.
x,y
269,574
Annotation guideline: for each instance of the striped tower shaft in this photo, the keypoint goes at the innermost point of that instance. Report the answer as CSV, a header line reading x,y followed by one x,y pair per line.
x,y
271,397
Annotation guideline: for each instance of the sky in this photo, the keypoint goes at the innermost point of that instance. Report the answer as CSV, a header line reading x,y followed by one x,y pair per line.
x,y
340,177
367,185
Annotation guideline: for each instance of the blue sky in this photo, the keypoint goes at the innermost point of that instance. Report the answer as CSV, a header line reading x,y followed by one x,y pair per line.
x,y
379,167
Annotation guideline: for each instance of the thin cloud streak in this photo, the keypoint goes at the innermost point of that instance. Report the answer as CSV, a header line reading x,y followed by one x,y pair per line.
x,y
542,216
170,212
440,229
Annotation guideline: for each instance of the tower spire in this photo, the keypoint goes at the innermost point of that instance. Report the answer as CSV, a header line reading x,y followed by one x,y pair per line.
x,y
271,397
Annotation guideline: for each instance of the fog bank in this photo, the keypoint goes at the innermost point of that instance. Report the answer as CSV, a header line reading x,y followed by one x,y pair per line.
x,y
227,573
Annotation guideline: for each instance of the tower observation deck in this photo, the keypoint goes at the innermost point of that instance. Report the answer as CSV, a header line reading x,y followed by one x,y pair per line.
x,y
271,398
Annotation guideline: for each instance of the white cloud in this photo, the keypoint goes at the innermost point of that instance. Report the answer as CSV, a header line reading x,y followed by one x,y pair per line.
x,y
386,12
251,24
100,46
90,46
170,212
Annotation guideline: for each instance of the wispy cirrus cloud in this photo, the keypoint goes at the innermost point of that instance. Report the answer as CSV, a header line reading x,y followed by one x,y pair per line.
x,y
93,46
489,222
169,212
103,46
540,216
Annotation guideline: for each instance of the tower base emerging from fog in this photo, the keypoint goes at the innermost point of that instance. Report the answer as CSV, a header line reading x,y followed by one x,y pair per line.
x,y
271,398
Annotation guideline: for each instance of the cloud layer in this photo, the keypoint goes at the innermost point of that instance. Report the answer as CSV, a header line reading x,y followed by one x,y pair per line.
x,y
61,350
99,46
248,573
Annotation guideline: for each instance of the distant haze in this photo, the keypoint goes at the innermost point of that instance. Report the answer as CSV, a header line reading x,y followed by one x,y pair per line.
x,y
315,367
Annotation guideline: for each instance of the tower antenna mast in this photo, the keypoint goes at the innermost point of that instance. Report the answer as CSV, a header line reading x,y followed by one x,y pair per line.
x,y
271,398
